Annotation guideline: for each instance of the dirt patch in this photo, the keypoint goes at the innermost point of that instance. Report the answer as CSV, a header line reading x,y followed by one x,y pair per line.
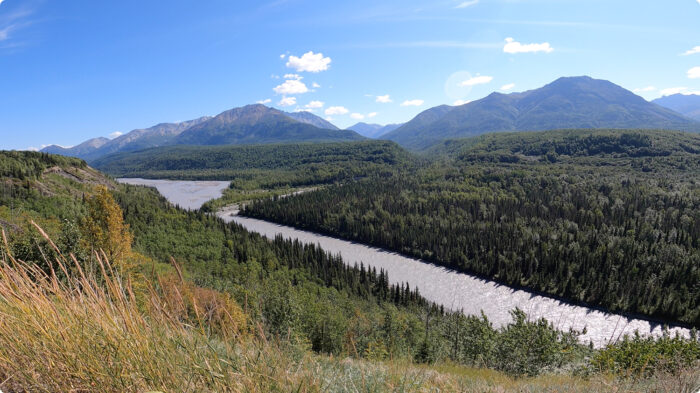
x,y
9,227
83,176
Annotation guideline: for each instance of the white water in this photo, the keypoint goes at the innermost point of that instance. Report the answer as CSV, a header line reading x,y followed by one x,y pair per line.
x,y
456,291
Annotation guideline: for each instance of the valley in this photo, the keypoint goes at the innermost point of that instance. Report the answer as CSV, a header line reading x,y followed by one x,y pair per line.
x,y
453,290
307,285
466,196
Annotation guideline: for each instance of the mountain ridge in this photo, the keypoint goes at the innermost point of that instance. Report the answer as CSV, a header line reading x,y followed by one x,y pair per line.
x,y
255,124
371,130
309,118
251,124
685,104
566,103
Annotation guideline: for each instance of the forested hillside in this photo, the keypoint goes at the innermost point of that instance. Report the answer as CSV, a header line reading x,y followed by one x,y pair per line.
x,y
293,290
130,273
304,163
606,218
261,171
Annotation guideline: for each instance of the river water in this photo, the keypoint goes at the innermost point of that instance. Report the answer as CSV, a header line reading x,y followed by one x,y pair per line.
x,y
454,290
188,195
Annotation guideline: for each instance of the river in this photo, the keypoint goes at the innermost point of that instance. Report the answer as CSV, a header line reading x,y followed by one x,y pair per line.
x,y
454,290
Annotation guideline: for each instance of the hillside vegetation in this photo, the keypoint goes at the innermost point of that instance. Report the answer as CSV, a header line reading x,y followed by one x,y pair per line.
x,y
115,288
605,218
262,170
307,163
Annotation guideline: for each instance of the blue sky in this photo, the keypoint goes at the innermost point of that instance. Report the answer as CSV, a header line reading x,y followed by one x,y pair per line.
x,y
72,70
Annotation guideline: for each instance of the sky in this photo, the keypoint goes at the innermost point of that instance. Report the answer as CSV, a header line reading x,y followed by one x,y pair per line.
x,y
73,70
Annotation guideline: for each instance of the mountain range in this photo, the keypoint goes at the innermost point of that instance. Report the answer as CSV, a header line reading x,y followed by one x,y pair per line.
x,y
373,130
251,124
685,104
567,103
82,150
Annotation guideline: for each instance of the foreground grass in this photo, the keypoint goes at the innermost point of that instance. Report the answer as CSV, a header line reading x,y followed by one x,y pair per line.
x,y
74,331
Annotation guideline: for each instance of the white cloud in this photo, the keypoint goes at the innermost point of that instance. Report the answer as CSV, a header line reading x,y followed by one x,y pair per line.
x,y
372,114
461,102
385,99
357,116
672,90
282,56
314,105
513,46
336,110
288,101
30,148
5,33
694,73
507,87
477,80
644,89
315,85
265,101
115,134
293,76
692,51
412,103
471,3
291,86
310,62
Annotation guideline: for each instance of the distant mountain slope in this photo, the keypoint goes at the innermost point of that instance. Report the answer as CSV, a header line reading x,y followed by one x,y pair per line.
x,y
373,130
310,118
687,105
252,124
567,103
158,135
257,124
80,150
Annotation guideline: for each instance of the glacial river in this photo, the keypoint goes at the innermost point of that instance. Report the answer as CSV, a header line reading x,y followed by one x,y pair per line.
x,y
454,290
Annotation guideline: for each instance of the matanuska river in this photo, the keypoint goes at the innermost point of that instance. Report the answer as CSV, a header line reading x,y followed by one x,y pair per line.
x,y
454,290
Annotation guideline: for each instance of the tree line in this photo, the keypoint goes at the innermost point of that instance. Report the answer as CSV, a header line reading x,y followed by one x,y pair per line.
x,y
597,227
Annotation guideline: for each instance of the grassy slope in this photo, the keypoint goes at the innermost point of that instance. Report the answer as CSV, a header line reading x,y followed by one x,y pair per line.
x,y
108,342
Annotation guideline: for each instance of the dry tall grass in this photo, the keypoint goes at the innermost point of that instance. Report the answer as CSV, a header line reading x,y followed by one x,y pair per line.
x,y
88,333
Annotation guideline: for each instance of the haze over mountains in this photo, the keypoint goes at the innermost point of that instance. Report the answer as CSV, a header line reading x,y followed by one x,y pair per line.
x,y
373,130
685,104
567,103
